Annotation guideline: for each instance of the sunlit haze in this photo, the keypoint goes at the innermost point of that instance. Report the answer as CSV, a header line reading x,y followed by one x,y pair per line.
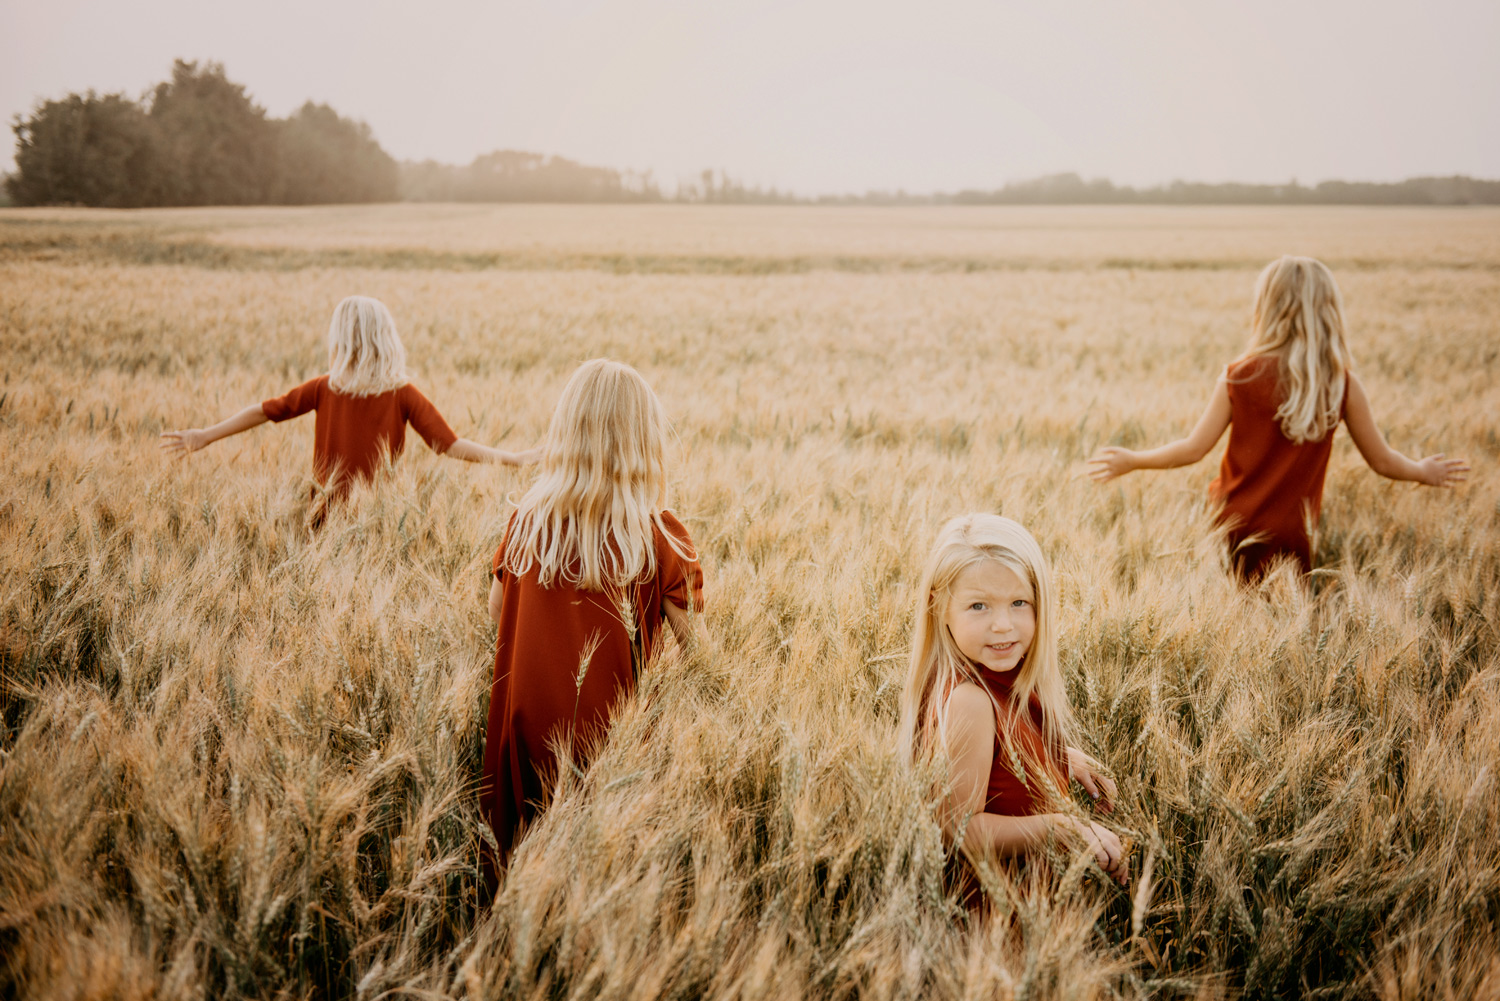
x,y
822,97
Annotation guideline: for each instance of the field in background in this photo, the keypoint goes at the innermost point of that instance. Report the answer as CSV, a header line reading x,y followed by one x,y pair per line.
x,y
237,760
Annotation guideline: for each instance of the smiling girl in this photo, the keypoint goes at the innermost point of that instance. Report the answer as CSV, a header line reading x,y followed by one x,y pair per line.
x,y
984,690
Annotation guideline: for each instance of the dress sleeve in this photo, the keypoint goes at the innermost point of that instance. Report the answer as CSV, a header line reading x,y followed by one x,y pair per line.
x,y
426,420
681,575
295,402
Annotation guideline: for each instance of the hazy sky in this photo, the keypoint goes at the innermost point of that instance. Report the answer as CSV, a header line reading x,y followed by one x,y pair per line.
x,y
824,96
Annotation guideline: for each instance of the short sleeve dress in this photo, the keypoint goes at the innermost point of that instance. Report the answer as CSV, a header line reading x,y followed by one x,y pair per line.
x,y
564,658
351,432
1271,488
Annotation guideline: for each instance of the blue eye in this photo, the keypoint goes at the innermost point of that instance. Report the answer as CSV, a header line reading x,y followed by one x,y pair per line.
x,y
1020,603
978,606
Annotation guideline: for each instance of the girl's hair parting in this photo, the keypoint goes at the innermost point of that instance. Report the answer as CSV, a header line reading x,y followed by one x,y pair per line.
x,y
937,666
1299,318
365,354
588,519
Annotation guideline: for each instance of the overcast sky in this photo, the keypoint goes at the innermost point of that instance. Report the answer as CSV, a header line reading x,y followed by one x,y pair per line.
x,y
824,96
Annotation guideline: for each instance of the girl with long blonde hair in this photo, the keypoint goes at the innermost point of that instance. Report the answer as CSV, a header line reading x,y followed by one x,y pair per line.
x,y
363,405
591,566
1281,401
984,691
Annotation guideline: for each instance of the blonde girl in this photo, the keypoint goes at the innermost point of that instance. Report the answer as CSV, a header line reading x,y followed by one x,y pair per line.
x,y
363,405
591,565
985,692
1282,400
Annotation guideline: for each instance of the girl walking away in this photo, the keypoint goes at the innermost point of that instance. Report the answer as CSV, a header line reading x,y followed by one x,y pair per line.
x,y
985,691
1282,400
363,405
591,565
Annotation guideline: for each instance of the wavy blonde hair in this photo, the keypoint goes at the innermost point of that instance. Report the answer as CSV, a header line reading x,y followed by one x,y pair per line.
x,y
365,354
937,666
588,519
1299,320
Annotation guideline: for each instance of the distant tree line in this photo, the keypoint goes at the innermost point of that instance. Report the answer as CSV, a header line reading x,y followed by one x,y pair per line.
x,y
1070,189
200,140
514,176
196,140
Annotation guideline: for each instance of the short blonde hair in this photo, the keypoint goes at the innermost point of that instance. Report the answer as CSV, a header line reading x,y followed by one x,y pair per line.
x,y
588,519
365,354
1299,319
937,666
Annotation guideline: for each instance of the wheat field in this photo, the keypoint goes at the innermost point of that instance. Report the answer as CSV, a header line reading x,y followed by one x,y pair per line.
x,y
240,760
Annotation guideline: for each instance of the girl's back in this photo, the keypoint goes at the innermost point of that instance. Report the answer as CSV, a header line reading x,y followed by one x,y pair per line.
x,y
1282,401
1270,486
351,432
591,567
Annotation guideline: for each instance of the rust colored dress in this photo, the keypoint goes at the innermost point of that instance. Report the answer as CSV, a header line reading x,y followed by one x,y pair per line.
x,y
1271,489
1008,793
537,697
351,432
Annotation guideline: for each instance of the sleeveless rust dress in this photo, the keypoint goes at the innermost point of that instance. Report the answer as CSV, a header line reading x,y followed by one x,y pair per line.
x,y
564,658
1271,488
1010,791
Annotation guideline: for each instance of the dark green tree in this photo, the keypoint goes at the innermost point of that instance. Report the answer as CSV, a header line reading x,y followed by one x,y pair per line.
x,y
87,150
218,146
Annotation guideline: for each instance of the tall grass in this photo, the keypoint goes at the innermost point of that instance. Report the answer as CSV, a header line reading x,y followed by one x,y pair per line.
x,y
240,760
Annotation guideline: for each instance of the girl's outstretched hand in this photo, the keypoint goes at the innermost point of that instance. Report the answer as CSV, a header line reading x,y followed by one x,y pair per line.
x,y
1109,462
1090,775
1105,845
1441,471
185,441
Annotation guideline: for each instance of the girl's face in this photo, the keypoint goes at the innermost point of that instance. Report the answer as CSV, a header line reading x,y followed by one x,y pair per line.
x,y
992,616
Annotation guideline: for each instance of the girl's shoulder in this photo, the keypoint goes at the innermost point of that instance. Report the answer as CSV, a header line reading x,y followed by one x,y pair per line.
x,y
674,526
969,710
968,697
1249,368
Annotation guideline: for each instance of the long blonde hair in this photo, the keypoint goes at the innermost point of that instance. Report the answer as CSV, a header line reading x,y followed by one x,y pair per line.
x,y
937,666
588,519
365,354
1299,319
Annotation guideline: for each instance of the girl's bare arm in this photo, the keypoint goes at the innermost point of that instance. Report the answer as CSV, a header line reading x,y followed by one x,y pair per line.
x,y
192,439
1112,461
472,451
495,599
1435,470
687,627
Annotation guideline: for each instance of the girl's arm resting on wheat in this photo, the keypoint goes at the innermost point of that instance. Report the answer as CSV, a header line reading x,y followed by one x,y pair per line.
x,y
969,739
994,835
472,451
192,439
1435,470
687,627
1112,461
